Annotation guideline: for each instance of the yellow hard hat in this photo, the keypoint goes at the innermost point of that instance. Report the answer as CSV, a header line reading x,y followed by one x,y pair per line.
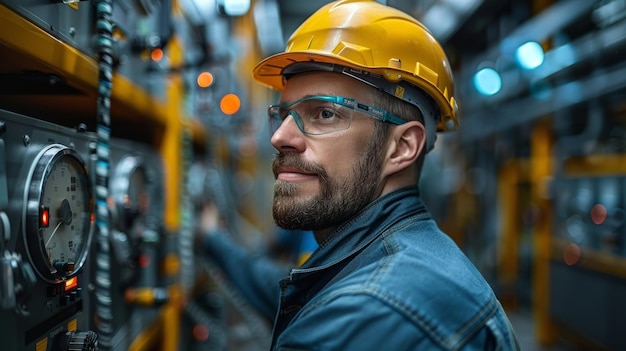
x,y
377,39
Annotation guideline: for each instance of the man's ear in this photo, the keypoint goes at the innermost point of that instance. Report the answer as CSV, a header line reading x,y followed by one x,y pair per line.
x,y
405,145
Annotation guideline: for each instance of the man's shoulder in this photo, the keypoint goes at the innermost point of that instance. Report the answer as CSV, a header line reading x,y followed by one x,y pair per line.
x,y
418,282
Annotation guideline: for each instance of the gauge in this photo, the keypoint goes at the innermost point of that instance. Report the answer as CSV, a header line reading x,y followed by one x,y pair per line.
x,y
130,190
58,216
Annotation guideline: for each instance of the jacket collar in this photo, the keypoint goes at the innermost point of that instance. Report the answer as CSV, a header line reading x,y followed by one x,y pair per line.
x,y
358,232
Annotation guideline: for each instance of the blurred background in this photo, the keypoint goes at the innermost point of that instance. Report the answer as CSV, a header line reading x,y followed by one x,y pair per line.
x,y
150,107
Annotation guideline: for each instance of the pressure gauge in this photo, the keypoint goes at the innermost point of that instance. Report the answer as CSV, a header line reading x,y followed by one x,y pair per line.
x,y
130,189
58,213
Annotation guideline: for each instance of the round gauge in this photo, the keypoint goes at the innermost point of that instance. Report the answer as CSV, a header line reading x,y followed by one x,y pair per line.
x,y
58,216
130,190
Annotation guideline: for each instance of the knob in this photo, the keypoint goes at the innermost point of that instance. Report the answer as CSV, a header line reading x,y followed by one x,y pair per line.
x,y
7,287
17,279
77,341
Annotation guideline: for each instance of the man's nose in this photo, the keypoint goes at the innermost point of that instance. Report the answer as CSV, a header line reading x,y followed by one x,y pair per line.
x,y
288,134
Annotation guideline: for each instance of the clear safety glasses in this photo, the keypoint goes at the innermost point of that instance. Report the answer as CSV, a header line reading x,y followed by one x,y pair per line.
x,y
316,115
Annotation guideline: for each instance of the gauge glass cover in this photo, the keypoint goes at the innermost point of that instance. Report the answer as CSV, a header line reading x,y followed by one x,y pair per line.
x,y
59,213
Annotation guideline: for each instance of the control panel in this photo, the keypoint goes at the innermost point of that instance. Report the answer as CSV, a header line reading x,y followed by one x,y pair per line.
x,y
46,218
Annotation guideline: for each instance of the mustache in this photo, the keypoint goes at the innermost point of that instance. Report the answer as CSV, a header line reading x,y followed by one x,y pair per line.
x,y
295,161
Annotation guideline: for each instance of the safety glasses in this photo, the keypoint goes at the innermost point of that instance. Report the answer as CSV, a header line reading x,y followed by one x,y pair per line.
x,y
321,114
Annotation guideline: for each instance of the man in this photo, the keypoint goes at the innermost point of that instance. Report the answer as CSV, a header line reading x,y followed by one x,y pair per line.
x,y
364,88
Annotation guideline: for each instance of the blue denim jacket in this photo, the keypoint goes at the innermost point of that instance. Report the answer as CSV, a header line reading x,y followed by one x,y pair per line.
x,y
389,279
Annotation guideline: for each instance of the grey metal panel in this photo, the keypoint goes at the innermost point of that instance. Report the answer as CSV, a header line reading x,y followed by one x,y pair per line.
x,y
71,26
589,303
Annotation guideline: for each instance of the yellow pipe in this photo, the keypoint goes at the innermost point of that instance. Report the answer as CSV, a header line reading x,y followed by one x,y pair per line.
x,y
147,338
511,174
541,170
172,319
596,165
171,148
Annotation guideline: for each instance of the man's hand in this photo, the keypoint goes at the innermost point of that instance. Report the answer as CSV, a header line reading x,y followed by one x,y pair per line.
x,y
209,220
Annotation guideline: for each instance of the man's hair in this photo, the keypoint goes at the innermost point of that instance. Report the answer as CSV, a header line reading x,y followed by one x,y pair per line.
x,y
402,109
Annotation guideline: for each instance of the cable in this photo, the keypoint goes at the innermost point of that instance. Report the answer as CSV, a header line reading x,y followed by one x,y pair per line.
x,y
186,251
104,311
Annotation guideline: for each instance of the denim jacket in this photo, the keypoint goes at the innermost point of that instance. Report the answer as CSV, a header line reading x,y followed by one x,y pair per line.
x,y
389,279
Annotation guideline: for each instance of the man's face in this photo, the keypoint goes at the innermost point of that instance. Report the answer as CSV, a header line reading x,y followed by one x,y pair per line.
x,y
323,180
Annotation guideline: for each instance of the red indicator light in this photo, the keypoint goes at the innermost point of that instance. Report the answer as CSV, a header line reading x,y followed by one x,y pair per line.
x,y
44,217
571,254
200,332
598,213
71,283
144,261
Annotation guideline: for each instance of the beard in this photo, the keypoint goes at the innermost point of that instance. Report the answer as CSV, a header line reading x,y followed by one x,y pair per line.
x,y
337,200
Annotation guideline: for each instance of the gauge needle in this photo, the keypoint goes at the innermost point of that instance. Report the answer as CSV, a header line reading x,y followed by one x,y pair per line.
x,y
65,214
53,232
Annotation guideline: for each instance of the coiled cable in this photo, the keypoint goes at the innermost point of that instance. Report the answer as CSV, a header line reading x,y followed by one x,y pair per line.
x,y
104,311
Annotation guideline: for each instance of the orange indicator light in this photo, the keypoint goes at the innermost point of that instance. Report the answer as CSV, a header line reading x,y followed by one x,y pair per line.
x,y
230,104
156,55
71,283
205,79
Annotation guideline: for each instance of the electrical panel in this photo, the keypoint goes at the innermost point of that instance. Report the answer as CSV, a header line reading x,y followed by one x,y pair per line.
x,y
47,229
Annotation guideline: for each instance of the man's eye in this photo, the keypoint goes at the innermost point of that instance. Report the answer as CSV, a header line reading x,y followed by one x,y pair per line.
x,y
326,114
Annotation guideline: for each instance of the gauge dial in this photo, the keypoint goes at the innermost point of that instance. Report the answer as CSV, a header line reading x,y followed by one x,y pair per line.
x,y
137,198
131,192
58,213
